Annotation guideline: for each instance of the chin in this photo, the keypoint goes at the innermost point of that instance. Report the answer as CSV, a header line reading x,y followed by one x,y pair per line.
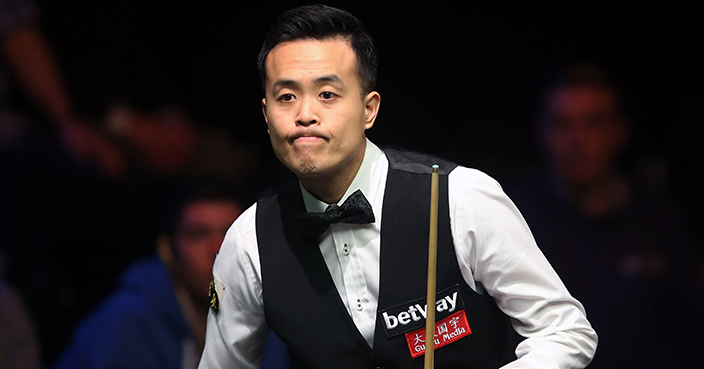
x,y
303,165
307,168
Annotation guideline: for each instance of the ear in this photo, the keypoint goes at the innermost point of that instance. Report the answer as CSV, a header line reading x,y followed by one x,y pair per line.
x,y
266,120
371,108
164,248
264,110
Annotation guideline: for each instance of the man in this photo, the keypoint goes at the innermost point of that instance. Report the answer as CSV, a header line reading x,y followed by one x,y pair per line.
x,y
351,294
156,319
591,218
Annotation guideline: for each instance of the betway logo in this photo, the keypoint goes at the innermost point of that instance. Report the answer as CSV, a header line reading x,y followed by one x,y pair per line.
x,y
411,316
448,303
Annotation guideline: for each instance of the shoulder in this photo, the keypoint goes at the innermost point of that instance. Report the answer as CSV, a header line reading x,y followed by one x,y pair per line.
x,y
144,294
468,180
122,327
239,252
243,226
420,162
415,161
241,233
477,198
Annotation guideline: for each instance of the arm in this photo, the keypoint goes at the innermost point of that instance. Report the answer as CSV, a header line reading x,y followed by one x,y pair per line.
x,y
29,57
495,247
236,334
35,70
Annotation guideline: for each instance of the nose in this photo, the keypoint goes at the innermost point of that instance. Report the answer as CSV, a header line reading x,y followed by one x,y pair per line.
x,y
306,113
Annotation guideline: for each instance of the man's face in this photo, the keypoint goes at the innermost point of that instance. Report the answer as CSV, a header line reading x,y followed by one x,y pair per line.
x,y
584,133
314,108
198,238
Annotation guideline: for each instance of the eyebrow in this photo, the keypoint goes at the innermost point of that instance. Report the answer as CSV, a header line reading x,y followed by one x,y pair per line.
x,y
331,78
284,83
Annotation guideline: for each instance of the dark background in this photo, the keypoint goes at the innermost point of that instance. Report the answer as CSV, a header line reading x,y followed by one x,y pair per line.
x,y
459,81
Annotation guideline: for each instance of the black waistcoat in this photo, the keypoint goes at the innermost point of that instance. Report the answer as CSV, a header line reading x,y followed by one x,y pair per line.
x,y
303,307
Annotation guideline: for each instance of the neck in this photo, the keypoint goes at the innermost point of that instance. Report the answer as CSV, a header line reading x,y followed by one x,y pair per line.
x,y
330,187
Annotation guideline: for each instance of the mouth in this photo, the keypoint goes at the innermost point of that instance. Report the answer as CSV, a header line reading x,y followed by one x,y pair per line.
x,y
307,137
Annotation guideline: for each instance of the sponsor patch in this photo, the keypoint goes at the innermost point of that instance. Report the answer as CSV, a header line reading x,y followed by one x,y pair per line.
x,y
410,316
447,331
213,296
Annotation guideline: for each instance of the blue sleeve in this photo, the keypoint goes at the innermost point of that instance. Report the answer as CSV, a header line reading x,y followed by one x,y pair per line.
x,y
122,334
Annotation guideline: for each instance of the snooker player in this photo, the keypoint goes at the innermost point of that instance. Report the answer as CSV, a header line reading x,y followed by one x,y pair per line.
x,y
334,261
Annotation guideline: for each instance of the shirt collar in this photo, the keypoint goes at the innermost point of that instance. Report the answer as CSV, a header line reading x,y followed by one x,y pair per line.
x,y
363,180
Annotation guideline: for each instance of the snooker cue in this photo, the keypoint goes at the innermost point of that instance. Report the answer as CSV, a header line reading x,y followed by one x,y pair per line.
x,y
432,271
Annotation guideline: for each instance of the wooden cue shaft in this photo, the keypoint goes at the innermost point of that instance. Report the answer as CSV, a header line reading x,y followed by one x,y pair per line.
x,y
432,272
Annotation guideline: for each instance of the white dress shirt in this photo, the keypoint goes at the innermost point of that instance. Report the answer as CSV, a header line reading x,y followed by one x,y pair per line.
x,y
493,246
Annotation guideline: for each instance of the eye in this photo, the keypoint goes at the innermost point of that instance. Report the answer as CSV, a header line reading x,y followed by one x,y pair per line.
x,y
286,97
195,234
327,95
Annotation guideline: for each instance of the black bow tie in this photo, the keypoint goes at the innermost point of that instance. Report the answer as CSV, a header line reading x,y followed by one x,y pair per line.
x,y
355,209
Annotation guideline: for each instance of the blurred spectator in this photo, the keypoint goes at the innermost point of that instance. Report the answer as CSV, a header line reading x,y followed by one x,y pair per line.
x,y
156,318
19,347
166,142
28,66
621,248
30,61
70,181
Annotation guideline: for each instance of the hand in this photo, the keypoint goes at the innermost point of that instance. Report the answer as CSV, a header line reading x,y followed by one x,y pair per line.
x,y
88,146
163,140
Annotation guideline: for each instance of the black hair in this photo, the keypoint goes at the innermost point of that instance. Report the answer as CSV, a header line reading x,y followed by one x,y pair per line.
x,y
322,22
194,190
578,74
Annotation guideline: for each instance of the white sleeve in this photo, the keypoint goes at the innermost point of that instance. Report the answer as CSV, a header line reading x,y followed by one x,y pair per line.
x,y
236,334
495,248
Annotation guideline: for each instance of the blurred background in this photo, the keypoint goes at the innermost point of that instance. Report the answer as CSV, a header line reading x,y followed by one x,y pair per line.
x,y
153,92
